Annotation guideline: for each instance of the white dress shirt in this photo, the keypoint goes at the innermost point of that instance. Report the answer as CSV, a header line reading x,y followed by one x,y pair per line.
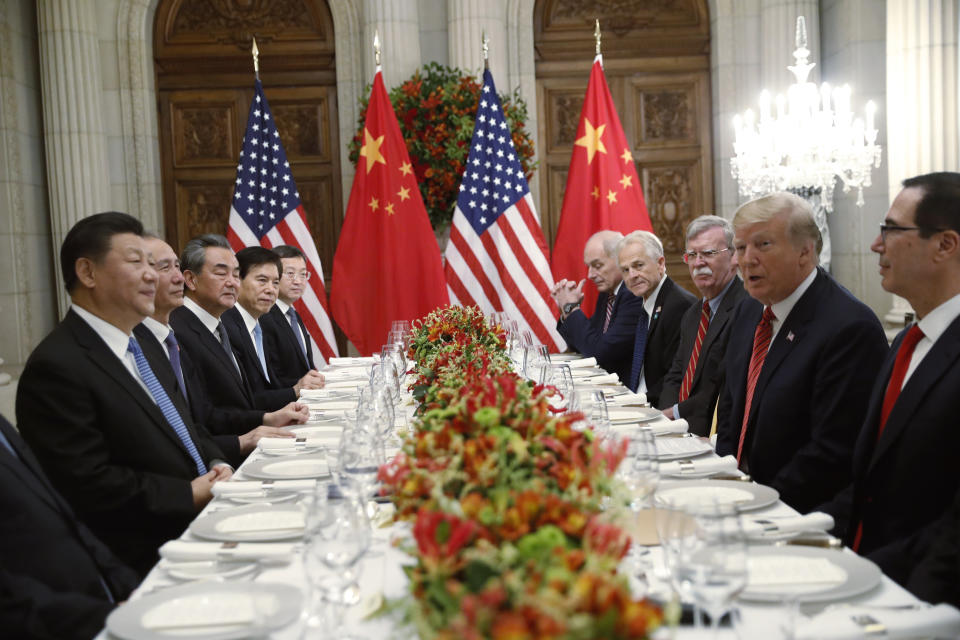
x,y
933,325
160,331
210,322
649,302
783,308
116,340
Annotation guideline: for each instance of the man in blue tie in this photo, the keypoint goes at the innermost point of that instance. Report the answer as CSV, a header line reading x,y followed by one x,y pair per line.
x,y
122,451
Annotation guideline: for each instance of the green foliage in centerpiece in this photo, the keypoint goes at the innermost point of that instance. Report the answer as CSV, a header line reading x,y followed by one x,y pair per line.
x,y
436,109
505,499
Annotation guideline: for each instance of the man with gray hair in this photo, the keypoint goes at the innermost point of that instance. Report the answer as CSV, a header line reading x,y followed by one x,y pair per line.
x,y
691,387
800,360
657,333
607,335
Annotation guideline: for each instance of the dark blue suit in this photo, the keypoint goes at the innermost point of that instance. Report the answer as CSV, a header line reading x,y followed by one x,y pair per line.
x,y
614,348
903,483
284,355
51,566
811,396
270,394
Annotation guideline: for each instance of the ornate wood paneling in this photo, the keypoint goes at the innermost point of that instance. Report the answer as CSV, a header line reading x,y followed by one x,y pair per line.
x,y
656,62
205,85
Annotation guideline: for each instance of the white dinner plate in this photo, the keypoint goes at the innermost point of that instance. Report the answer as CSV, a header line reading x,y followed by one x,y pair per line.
x,y
628,415
191,570
856,574
288,468
251,523
207,611
745,495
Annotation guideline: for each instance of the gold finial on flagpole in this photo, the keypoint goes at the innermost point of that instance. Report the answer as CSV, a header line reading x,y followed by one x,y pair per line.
x,y
485,47
256,58
376,47
596,33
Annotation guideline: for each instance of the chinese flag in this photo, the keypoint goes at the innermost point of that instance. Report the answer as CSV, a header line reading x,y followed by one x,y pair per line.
x,y
603,191
387,265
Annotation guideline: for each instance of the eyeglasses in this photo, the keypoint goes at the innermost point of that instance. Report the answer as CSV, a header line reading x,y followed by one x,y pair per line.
x,y
296,275
887,228
709,254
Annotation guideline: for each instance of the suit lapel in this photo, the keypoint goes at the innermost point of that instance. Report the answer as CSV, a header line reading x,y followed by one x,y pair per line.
x,y
941,356
28,470
288,333
210,342
658,307
244,347
306,342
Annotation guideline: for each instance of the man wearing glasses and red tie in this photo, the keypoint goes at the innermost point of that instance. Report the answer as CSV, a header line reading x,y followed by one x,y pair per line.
x,y
905,461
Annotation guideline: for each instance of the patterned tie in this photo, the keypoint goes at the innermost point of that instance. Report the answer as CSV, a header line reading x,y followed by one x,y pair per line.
x,y
258,343
761,343
173,350
639,346
900,366
225,344
295,325
163,401
695,355
606,322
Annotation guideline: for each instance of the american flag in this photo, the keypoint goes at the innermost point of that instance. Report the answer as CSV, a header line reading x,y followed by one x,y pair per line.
x,y
497,255
266,211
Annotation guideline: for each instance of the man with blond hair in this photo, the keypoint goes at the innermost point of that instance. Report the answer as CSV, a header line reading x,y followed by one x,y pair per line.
x,y
657,332
800,359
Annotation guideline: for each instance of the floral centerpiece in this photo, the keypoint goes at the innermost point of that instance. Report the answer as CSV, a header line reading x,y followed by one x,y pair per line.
x,y
505,499
435,109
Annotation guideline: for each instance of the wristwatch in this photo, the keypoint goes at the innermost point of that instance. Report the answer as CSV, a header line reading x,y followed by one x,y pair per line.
x,y
569,307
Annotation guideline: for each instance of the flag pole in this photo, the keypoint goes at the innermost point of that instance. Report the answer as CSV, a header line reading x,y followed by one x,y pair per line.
x,y
256,59
376,47
596,34
485,47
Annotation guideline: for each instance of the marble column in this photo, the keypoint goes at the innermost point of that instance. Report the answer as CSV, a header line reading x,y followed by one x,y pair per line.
x,y
922,102
74,138
399,25
466,21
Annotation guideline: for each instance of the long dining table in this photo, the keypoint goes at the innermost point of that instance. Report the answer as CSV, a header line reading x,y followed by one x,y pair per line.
x,y
381,578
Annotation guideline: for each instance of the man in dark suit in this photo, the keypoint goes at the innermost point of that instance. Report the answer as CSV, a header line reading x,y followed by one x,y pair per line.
x,y
905,460
691,387
122,451
57,580
607,335
289,352
798,358
172,365
657,333
259,283
212,278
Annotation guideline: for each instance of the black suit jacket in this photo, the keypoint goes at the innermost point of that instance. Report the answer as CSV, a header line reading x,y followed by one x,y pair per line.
x,y
105,444
160,363
936,577
663,335
269,394
613,349
905,481
284,355
51,566
697,409
811,396
222,391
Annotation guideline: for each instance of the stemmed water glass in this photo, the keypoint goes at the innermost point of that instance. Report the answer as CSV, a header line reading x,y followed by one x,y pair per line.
x,y
640,473
361,456
561,377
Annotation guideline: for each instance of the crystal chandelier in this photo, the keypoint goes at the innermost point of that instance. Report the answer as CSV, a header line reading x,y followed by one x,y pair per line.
x,y
813,139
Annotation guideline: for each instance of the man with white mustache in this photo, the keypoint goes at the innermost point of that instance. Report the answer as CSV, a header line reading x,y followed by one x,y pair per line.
x,y
692,384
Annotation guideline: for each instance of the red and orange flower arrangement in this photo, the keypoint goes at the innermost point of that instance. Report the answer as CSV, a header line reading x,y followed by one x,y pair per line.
x,y
505,501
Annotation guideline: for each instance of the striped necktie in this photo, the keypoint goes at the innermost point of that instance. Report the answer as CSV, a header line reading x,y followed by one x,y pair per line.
x,y
761,344
606,322
695,354
163,401
173,351
639,347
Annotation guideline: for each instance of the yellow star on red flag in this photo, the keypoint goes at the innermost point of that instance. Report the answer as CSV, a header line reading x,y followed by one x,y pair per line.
x,y
374,204
611,197
592,140
371,149
626,181
404,193
406,169
626,155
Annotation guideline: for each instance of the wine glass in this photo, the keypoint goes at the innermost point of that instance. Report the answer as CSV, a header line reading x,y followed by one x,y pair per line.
x,y
361,456
677,532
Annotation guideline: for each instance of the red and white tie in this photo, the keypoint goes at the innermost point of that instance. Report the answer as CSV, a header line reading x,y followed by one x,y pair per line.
x,y
606,322
761,344
695,355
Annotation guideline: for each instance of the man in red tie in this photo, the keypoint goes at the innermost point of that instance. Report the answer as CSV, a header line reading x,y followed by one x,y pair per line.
x,y
799,359
905,462
692,384
608,334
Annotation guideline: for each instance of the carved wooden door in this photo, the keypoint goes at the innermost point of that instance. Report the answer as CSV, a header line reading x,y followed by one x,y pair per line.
x,y
656,61
205,85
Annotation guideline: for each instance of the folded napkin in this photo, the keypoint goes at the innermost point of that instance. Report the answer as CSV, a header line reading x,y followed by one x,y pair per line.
x,y
187,551
767,571
241,487
345,384
664,427
289,444
625,399
334,405
941,621
206,611
262,521
352,361
582,362
609,378
327,393
709,465
816,521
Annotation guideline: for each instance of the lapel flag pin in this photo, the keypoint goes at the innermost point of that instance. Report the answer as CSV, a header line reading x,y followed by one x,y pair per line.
x,y
790,336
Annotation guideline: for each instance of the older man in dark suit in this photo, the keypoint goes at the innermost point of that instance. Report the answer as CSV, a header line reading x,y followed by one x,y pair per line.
x,y
691,387
905,461
608,334
798,359
56,579
122,451
657,333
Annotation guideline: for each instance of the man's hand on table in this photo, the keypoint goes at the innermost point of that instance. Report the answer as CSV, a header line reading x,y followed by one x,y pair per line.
x,y
249,440
202,488
293,413
313,379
